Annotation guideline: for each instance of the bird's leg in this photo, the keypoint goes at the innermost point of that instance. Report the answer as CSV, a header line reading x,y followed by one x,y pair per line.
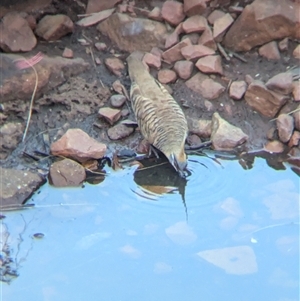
x,y
153,150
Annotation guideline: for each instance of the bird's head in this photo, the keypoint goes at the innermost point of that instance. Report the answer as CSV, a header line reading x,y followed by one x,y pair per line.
x,y
179,162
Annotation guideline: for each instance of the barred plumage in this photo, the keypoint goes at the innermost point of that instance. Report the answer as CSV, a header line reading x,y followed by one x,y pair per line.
x,y
160,118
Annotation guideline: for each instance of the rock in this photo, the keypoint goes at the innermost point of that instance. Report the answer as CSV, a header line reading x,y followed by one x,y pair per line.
x,y
110,115
117,100
207,39
114,65
269,19
10,137
194,7
52,28
15,34
173,38
184,69
31,21
270,51
200,127
274,147
294,141
216,14
249,79
264,101
194,37
205,86
155,14
296,90
296,52
237,89
208,105
193,140
172,12
193,52
119,131
66,173
100,46
220,27
210,64
296,116
225,136
132,34
174,54
281,83
285,127
166,76
194,24
68,53
78,145
283,45
95,18
95,6
156,51
152,60
17,186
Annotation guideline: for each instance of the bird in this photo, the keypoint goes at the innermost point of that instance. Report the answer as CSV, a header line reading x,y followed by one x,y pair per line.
x,y
159,117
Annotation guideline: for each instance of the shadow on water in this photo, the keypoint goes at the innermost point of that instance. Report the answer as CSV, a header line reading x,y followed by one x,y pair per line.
x,y
230,230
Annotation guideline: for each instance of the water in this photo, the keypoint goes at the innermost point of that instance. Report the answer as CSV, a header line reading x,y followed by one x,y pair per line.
x,y
225,234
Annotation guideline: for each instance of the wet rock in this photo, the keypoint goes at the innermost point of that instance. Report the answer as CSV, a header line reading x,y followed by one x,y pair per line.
x,y
95,18
296,116
294,141
264,101
194,7
66,173
152,60
68,53
216,14
119,131
52,28
194,24
174,54
172,12
283,45
15,34
184,69
114,65
207,39
210,64
95,6
296,90
270,51
274,147
17,186
10,136
205,86
281,83
193,52
132,34
117,100
166,76
193,140
269,19
78,145
220,27
200,127
110,115
237,89
155,14
225,136
285,127
101,46
296,52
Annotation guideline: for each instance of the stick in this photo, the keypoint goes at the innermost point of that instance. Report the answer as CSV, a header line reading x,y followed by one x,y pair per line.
x,y
223,52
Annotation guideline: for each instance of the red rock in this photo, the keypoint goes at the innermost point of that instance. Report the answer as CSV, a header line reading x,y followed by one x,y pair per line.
x,y
268,19
52,28
66,173
166,76
95,6
115,65
31,21
98,61
216,14
15,34
249,79
152,60
172,39
210,64
270,51
78,145
294,141
192,52
95,18
199,127
194,37
283,45
174,54
275,147
285,127
296,116
194,24
220,27
68,53
205,86
281,83
184,69
194,7
172,12
155,14
296,90
207,39
109,114
264,101
100,46
296,52
237,89
156,51
119,131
